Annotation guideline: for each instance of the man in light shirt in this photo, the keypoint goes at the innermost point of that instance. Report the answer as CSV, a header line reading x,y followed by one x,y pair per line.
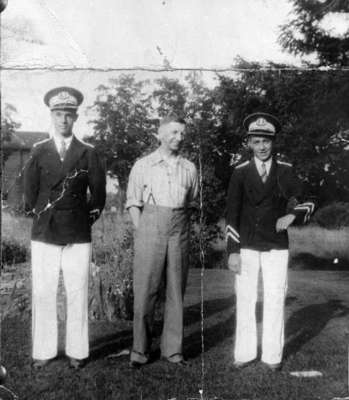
x,y
58,175
264,199
162,187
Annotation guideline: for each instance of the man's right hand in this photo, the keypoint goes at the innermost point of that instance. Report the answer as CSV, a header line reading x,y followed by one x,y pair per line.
x,y
234,263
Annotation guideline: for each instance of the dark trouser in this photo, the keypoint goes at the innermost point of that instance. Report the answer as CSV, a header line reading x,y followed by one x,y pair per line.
x,y
161,240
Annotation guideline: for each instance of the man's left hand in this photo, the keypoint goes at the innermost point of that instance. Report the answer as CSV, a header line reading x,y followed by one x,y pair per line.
x,y
284,222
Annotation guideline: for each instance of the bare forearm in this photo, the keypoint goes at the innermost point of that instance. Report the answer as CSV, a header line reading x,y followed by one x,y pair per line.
x,y
135,213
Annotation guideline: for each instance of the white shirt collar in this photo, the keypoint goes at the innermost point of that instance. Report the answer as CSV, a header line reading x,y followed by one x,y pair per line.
x,y
58,141
259,164
160,156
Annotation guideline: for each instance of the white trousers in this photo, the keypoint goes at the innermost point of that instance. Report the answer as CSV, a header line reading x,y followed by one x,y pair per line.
x,y
273,265
47,261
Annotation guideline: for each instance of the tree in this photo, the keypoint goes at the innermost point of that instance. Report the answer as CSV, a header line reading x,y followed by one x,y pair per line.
x,y
8,127
169,96
123,124
127,115
313,108
314,111
196,102
320,27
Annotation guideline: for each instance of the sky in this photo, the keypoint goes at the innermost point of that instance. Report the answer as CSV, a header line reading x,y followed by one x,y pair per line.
x,y
42,36
142,33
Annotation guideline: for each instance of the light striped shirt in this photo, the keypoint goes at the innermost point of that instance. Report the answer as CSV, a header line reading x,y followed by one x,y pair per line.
x,y
156,180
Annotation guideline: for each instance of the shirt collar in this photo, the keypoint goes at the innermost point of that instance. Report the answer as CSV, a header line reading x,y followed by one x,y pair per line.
x,y
267,163
58,141
158,157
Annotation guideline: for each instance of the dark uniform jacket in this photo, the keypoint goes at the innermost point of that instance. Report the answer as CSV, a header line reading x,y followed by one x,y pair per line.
x,y
55,192
253,207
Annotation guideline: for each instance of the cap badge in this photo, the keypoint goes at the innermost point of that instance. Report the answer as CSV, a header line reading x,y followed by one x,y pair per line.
x,y
63,98
261,122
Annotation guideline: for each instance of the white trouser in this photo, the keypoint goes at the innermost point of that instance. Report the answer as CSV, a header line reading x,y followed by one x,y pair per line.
x,y
47,260
273,265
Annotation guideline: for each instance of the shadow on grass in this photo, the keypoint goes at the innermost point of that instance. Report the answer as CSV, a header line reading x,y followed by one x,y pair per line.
x,y
192,313
307,322
110,344
217,333
213,334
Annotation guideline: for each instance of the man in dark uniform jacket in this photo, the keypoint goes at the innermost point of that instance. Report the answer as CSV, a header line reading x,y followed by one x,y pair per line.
x,y
264,199
58,175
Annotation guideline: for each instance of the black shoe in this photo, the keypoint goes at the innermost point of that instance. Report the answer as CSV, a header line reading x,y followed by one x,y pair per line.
x,y
39,364
242,365
136,364
76,363
180,363
273,367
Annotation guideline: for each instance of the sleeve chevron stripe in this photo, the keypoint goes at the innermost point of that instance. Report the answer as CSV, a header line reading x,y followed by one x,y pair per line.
x,y
231,236
308,204
229,228
308,207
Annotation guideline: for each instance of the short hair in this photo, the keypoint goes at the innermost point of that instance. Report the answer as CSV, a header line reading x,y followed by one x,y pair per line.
x,y
172,118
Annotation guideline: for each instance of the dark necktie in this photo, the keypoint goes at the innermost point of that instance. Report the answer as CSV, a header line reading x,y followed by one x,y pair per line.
x,y
62,150
264,174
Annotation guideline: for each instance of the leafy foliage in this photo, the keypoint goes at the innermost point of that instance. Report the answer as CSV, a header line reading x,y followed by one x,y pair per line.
x,y
111,295
333,216
305,33
12,252
127,114
8,126
123,126
313,108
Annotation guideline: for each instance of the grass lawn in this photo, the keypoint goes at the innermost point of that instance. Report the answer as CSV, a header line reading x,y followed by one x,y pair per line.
x,y
317,317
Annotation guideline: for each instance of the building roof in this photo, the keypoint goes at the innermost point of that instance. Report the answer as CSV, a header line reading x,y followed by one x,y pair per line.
x,y
24,140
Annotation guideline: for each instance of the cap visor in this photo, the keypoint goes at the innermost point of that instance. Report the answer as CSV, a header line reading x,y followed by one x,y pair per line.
x,y
62,107
260,133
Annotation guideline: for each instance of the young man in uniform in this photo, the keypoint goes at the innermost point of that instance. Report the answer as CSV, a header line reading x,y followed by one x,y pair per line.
x,y
264,199
57,177
162,186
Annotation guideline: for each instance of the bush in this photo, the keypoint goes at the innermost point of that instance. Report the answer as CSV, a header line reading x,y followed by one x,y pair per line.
x,y
115,201
16,229
333,216
111,294
12,252
202,246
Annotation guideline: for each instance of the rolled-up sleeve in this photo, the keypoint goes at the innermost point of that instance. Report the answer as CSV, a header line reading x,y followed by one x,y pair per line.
x,y
134,195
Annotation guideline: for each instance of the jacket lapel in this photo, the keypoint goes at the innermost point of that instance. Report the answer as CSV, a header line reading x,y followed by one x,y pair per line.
x,y
255,186
53,161
52,153
59,169
269,183
74,153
